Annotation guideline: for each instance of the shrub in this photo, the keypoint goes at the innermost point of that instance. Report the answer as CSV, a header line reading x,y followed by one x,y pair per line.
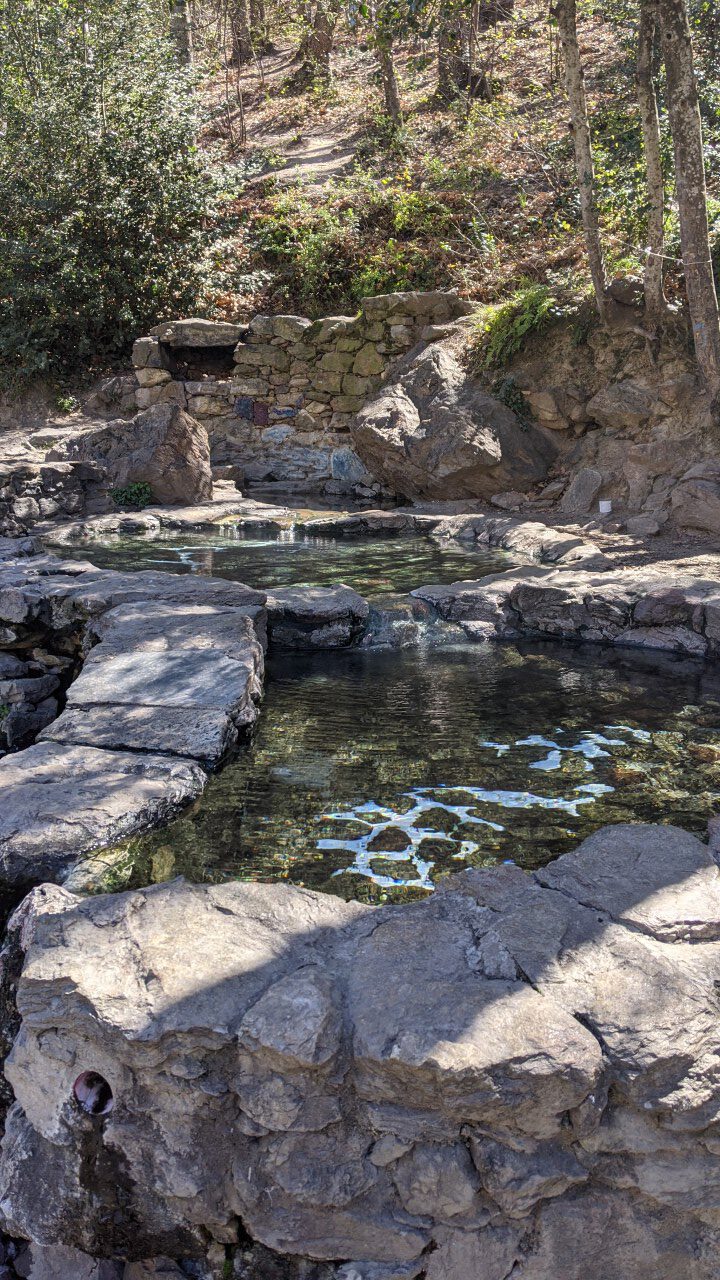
x,y
136,495
102,189
502,330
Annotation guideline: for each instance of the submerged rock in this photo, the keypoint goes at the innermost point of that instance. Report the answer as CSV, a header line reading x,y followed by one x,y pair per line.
x,y
516,1074
431,432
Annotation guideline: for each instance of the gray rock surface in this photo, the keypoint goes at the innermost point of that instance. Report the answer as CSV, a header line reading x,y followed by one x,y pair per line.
x,y
431,432
316,617
515,1076
198,333
60,802
164,678
582,492
627,607
696,498
162,447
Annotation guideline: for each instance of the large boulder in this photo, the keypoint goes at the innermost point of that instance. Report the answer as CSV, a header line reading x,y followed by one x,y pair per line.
x,y
162,447
696,498
431,432
516,1075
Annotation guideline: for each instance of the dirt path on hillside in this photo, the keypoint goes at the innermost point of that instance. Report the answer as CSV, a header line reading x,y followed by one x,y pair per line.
x,y
296,138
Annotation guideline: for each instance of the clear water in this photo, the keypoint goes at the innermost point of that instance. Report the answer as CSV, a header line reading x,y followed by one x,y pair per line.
x,y
373,773
373,566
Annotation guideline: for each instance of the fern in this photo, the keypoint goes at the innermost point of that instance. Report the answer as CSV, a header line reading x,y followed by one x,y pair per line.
x,y
502,330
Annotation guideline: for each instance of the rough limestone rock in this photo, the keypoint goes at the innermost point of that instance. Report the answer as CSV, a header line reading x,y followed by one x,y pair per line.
x,y
163,678
162,447
622,405
431,432
61,802
316,617
198,333
582,492
516,1076
696,498
626,607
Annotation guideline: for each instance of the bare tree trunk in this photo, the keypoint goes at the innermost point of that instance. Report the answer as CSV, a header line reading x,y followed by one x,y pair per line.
x,y
316,48
242,48
449,42
580,128
391,92
259,34
684,113
655,304
181,31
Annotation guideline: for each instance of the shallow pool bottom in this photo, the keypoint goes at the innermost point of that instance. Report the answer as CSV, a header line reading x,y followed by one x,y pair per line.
x,y
374,567
374,773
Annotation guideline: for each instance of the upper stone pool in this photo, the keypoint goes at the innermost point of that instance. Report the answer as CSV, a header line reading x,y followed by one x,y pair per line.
x,y
372,566
372,773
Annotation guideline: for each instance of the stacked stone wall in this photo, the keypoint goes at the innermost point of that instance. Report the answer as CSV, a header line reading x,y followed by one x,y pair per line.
x,y
281,411
31,492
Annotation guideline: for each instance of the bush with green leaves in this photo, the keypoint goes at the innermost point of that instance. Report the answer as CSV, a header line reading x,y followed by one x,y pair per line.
x,y
103,191
136,495
501,331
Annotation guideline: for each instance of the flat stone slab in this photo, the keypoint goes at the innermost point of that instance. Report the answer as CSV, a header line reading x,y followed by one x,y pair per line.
x,y
316,617
60,592
204,735
517,1075
164,677
60,802
637,608
194,679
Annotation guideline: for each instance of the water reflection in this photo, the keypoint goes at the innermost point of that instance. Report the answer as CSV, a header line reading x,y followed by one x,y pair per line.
x,y
372,566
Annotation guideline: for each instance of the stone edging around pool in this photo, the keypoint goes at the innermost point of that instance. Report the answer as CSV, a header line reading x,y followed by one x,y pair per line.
x,y
529,539
517,1075
173,665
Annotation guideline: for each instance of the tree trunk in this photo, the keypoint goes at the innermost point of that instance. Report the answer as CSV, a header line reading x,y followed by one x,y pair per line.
x,y
316,48
450,59
580,128
684,113
391,93
655,304
259,34
242,49
181,31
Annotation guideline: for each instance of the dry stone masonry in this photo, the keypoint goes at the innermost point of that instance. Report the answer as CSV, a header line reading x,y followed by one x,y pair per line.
x,y
517,1077
277,395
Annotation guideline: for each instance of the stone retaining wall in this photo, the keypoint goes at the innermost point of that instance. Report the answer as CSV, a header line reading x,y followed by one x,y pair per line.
x,y
30,492
281,407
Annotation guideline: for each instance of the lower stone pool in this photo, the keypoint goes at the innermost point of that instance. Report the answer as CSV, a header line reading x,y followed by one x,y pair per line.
x,y
373,566
372,773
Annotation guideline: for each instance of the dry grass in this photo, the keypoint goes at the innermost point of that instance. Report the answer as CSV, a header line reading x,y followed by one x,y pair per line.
x,y
502,172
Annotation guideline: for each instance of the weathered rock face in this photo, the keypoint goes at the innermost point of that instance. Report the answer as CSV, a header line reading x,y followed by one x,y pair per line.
x,y
162,447
31,491
429,432
518,1075
316,617
629,607
696,499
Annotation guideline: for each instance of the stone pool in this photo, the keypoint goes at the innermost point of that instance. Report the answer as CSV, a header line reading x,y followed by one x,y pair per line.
x,y
373,773
372,566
